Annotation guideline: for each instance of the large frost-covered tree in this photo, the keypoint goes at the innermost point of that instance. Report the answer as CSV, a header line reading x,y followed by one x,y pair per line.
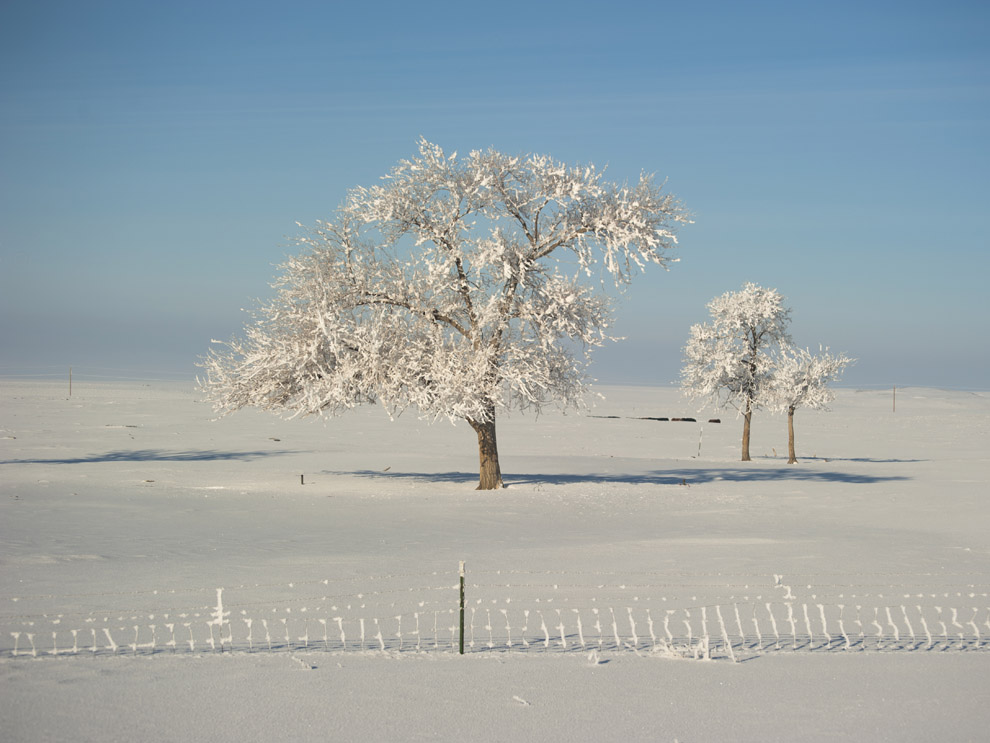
x,y
458,287
729,360
802,379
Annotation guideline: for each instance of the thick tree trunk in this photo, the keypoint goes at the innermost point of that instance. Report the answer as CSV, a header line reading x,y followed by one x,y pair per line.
x,y
747,419
490,475
791,458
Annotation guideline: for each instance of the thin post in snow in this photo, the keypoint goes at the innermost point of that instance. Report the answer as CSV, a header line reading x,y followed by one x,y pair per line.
x,y
461,640
895,398
70,381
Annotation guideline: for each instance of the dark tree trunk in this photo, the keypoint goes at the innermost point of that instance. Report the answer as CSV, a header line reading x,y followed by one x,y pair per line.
x,y
490,475
791,458
754,345
747,420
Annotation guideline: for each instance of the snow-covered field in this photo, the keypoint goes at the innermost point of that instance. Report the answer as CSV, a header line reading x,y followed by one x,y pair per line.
x,y
851,587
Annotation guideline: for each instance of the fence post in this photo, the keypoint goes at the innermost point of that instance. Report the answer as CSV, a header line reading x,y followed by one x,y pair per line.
x,y
462,609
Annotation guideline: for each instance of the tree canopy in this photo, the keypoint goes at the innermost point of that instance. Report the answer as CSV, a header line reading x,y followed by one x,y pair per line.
x,y
460,287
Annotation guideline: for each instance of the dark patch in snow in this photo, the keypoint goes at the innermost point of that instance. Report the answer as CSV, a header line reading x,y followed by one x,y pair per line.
x,y
156,455
666,477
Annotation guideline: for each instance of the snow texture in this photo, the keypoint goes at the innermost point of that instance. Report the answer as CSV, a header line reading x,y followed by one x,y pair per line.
x,y
614,517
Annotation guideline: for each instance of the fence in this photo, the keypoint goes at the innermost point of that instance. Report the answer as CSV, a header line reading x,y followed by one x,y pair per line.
x,y
689,615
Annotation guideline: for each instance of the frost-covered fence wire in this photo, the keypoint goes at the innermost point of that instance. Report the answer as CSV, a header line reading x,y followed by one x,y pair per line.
x,y
716,615
343,614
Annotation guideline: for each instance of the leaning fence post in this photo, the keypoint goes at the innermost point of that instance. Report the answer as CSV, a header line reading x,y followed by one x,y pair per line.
x,y
462,610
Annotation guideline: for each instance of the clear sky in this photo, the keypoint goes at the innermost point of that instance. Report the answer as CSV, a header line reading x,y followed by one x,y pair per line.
x,y
155,157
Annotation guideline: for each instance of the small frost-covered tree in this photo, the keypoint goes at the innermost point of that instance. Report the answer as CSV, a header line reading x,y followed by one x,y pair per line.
x,y
802,379
458,287
729,360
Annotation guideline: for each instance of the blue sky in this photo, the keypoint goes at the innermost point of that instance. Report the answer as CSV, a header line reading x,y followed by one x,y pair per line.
x,y
154,158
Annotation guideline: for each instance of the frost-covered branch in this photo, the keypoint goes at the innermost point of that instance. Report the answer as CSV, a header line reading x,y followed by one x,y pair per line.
x,y
802,379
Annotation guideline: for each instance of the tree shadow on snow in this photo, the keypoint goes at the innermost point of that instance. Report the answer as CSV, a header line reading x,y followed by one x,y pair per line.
x,y
868,460
665,477
156,455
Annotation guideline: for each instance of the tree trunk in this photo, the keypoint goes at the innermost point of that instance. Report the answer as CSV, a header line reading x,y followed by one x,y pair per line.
x,y
747,419
490,475
754,345
791,458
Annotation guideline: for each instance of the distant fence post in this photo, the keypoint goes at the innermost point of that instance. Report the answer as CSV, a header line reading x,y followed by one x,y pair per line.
x,y
462,610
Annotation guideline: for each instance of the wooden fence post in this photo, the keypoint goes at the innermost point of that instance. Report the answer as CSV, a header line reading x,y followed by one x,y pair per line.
x,y
462,610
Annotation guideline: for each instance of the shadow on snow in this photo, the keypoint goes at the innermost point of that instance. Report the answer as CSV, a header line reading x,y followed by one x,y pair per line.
x,y
156,455
665,477
868,460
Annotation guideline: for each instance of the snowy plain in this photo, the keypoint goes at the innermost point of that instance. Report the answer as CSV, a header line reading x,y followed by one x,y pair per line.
x,y
128,499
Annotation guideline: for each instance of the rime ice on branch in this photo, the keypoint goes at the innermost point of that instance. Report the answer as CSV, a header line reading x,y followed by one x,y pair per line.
x,y
450,288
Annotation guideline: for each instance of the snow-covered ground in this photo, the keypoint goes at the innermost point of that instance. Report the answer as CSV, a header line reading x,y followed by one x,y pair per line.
x,y
126,507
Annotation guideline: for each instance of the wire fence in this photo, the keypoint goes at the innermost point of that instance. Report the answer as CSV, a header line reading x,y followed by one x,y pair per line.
x,y
686,615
